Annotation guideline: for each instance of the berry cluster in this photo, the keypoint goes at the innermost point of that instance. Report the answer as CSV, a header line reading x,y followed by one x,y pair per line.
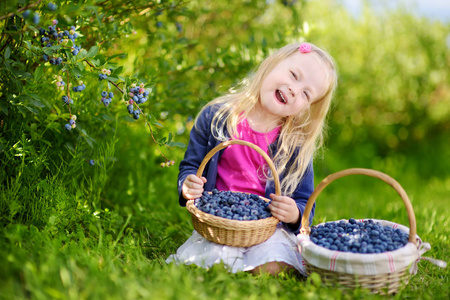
x,y
233,205
107,97
167,163
71,124
104,74
36,17
138,95
59,82
52,35
67,100
80,87
358,237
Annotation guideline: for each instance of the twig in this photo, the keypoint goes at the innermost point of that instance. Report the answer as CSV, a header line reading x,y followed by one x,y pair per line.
x,y
21,9
147,123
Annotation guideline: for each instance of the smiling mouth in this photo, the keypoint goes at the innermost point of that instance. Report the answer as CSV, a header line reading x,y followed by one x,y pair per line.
x,y
280,96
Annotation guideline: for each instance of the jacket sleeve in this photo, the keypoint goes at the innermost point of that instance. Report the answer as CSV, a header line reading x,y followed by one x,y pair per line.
x,y
301,196
196,150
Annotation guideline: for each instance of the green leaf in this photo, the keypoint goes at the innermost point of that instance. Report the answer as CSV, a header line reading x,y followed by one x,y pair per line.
x,y
36,103
121,55
32,109
80,65
118,70
82,54
176,144
92,52
7,52
38,73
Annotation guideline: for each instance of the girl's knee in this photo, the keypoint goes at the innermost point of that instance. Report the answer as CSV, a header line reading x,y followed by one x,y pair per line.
x,y
273,268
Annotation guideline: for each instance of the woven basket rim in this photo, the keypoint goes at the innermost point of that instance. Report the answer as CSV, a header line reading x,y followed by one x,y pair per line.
x,y
221,222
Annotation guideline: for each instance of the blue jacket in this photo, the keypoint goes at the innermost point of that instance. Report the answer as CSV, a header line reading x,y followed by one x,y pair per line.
x,y
202,141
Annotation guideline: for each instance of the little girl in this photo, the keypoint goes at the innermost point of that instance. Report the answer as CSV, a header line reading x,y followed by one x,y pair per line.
x,y
281,108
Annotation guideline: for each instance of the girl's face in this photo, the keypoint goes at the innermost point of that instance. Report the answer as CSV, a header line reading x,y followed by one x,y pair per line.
x,y
293,85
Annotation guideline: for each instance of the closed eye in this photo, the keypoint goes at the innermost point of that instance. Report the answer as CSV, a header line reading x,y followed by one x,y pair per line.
x,y
294,75
306,95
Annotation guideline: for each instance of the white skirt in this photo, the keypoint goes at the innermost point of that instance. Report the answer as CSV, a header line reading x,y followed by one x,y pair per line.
x,y
280,247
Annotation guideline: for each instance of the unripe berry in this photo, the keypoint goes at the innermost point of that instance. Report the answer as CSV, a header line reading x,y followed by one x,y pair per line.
x,y
133,85
73,125
74,117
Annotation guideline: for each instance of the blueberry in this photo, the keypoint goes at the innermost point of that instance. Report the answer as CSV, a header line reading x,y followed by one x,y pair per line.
x,y
91,162
68,127
130,108
104,94
111,94
36,18
26,14
52,6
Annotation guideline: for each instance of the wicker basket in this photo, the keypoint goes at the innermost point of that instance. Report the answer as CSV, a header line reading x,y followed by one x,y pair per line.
x,y
387,283
233,232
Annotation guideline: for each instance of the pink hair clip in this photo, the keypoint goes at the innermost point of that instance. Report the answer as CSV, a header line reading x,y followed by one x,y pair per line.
x,y
304,48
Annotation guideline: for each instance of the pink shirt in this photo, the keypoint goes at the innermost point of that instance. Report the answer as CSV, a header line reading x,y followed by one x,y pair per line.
x,y
240,167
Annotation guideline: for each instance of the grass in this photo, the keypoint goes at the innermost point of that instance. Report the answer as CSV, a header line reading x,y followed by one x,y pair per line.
x,y
116,248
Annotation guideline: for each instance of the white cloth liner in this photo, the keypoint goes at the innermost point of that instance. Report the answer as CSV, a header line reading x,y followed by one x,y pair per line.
x,y
281,247
367,264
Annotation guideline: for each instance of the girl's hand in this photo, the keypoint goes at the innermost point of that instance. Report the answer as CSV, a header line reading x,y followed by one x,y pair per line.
x,y
284,209
193,187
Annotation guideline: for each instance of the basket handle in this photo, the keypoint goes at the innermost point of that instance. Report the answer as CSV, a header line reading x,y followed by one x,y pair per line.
x,y
368,172
225,144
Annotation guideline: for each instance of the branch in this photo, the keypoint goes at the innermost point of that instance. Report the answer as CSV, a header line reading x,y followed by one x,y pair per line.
x,y
21,9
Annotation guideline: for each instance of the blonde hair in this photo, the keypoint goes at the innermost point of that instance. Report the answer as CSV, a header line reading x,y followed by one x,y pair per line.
x,y
300,136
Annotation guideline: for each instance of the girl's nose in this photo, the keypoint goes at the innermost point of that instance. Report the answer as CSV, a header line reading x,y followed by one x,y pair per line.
x,y
291,91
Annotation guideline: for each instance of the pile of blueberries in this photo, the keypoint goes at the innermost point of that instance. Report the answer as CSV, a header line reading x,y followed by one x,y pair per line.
x,y
233,205
358,237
